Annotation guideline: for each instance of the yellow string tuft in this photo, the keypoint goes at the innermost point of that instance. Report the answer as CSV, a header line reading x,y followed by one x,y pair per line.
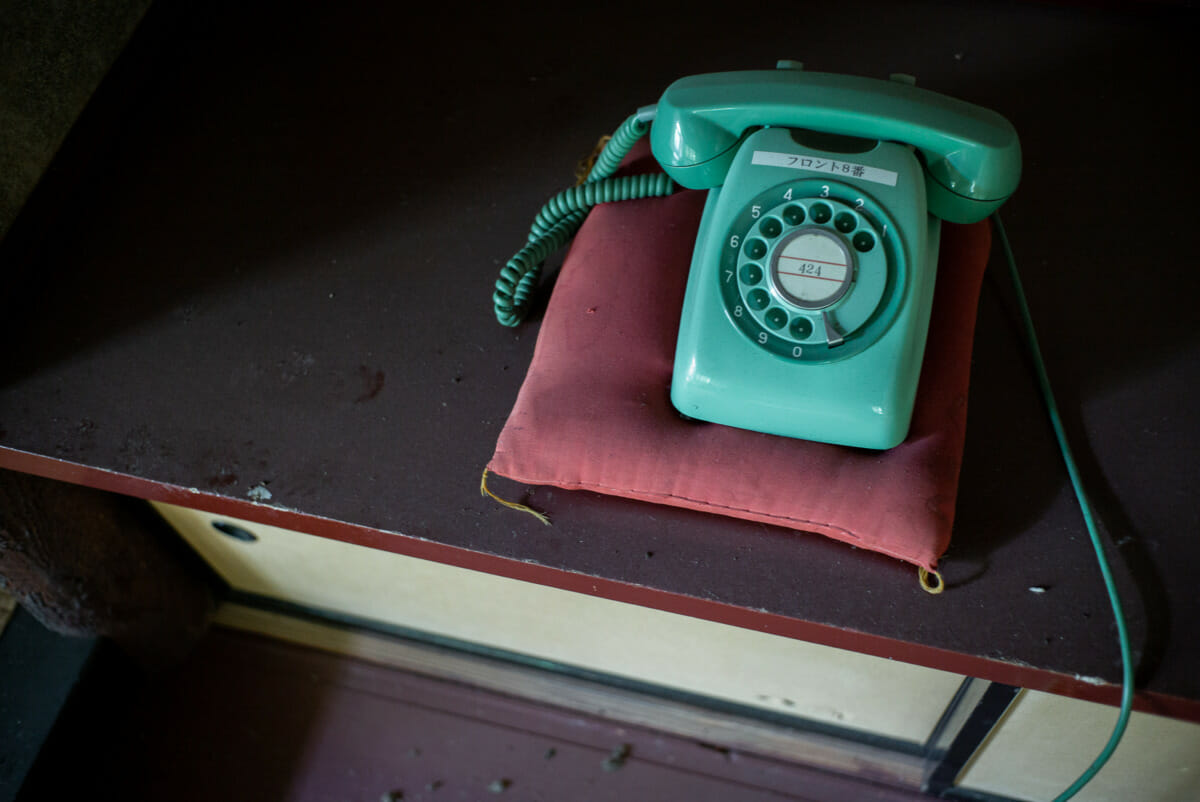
x,y
512,505
584,168
934,588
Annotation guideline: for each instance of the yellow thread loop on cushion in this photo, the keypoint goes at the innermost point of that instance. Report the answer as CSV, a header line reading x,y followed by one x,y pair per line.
x,y
936,587
512,505
584,168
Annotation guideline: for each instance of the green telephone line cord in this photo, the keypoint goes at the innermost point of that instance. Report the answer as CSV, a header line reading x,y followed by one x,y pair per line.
x,y
561,217
1088,519
563,214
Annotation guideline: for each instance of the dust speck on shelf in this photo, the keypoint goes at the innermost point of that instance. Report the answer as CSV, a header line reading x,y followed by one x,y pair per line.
x,y
617,758
259,492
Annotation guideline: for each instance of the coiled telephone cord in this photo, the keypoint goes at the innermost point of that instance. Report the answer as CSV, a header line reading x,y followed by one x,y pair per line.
x,y
563,214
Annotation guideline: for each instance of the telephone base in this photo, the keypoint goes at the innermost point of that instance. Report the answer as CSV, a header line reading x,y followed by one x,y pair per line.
x,y
808,301
862,402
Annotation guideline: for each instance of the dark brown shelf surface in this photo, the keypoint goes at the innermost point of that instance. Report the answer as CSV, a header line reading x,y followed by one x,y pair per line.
x,y
275,269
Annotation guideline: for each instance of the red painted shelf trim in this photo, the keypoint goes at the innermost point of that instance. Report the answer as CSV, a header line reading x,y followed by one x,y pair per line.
x,y
704,609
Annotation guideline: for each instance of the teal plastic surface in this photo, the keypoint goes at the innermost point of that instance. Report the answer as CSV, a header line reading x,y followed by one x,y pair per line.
x,y
972,155
808,302
831,368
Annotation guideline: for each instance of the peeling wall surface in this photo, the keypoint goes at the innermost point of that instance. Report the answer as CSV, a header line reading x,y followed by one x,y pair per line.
x,y
52,58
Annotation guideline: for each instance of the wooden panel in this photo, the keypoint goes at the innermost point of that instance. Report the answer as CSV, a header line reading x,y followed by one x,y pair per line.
x,y
727,731
1044,742
827,685
250,718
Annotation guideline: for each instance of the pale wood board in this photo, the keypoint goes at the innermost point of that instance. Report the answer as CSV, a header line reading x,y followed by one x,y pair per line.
x,y
1045,741
823,684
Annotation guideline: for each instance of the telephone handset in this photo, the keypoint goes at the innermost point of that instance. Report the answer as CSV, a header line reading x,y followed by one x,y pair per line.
x,y
812,279
811,282
970,154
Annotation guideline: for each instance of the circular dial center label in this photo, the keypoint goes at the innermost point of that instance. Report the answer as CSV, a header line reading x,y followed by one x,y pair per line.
x,y
812,268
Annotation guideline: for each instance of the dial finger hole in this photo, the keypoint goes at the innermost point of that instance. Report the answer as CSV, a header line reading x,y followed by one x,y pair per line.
x,y
793,215
770,227
751,274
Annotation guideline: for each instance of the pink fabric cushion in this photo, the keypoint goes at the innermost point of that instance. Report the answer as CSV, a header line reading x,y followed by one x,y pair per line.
x,y
594,411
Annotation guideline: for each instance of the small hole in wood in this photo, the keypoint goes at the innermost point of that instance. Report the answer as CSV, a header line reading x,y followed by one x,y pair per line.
x,y
234,531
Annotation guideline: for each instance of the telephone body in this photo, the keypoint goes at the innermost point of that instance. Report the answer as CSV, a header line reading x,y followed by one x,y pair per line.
x,y
808,300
